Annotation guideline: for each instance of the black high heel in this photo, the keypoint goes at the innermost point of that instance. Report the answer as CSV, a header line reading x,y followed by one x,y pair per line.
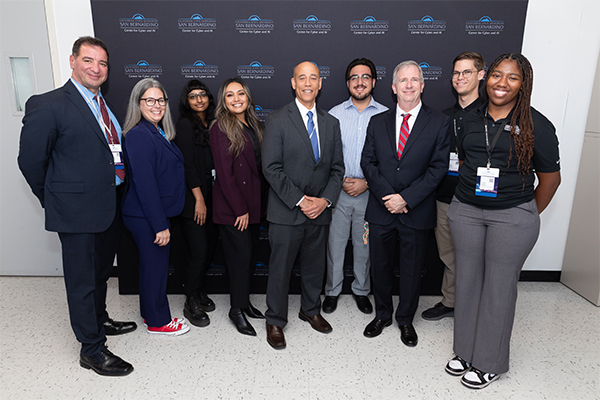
x,y
241,323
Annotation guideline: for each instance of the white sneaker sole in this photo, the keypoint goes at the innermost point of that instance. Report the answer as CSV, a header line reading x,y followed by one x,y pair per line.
x,y
474,385
184,329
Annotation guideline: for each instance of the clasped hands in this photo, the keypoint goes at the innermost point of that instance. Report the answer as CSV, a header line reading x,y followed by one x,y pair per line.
x,y
354,186
395,204
312,207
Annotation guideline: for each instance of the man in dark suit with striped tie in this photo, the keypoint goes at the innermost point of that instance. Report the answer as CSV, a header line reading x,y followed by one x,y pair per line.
x,y
404,159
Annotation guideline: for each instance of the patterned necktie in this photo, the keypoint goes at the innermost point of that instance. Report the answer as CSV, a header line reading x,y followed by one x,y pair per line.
x,y
312,134
111,134
403,137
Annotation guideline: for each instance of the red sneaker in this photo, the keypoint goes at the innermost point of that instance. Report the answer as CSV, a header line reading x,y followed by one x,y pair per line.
x,y
173,328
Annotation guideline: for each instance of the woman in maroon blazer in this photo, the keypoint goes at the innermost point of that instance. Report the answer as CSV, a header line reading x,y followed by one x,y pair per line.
x,y
235,139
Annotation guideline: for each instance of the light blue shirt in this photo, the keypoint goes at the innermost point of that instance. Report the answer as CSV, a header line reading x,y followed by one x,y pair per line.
x,y
88,96
353,125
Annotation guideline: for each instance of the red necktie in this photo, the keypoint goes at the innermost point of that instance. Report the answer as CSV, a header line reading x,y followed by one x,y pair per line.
x,y
403,137
111,134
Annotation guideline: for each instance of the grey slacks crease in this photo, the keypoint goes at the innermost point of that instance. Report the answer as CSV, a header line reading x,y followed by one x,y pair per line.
x,y
445,246
491,248
287,242
348,216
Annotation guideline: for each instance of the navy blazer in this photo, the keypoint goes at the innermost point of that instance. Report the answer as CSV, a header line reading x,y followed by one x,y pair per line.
x,y
237,186
155,176
290,168
415,176
65,158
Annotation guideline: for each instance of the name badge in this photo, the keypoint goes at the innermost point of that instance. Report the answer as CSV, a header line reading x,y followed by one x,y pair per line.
x,y
454,164
117,154
487,182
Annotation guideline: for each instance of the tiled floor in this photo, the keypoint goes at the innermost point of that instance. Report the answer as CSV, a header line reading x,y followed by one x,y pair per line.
x,y
555,353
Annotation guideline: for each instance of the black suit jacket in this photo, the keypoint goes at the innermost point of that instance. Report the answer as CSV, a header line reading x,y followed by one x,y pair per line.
x,y
289,164
415,176
65,158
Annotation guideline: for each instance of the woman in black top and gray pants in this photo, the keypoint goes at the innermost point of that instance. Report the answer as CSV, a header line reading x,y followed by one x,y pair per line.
x,y
494,216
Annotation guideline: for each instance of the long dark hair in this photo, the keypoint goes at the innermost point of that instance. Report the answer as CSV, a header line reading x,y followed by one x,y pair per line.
x,y
185,111
230,125
523,140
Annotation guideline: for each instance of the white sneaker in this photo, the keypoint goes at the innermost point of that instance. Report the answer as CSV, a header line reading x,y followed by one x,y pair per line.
x,y
173,328
477,379
457,366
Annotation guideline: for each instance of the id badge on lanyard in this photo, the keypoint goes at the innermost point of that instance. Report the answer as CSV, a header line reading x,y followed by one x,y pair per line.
x,y
454,164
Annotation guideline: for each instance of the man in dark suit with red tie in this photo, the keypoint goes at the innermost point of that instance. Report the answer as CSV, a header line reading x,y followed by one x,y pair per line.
x,y
404,159
70,155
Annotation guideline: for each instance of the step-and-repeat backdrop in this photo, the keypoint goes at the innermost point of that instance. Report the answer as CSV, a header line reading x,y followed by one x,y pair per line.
x,y
262,41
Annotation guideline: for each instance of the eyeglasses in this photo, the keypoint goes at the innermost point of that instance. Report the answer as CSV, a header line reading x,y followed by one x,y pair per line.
x,y
364,77
194,96
150,101
466,74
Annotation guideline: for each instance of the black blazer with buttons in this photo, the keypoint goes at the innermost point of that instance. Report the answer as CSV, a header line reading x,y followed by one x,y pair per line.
x,y
415,176
65,158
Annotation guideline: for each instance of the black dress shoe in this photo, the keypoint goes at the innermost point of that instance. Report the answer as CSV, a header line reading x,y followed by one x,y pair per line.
x,y
253,312
408,335
241,323
363,303
207,304
330,304
438,311
375,327
317,322
106,363
275,337
113,328
194,312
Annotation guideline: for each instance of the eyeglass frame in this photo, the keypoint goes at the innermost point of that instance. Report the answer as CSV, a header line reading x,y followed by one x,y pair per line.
x,y
193,96
151,101
356,77
466,74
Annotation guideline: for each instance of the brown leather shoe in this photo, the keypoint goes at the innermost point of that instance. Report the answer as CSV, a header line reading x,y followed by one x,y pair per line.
x,y
275,337
316,321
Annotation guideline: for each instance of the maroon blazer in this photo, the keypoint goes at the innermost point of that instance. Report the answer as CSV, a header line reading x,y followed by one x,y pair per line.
x,y
237,185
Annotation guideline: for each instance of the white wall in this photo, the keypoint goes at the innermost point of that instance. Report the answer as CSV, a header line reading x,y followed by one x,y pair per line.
x,y
562,41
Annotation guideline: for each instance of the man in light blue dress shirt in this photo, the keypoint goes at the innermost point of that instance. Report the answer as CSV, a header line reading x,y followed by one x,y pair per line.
x,y
354,115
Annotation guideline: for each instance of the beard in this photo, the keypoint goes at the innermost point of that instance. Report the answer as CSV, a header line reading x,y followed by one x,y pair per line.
x,y
357,96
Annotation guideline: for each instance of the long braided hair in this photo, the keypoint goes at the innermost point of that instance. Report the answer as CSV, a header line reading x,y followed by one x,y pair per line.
x,y
523,139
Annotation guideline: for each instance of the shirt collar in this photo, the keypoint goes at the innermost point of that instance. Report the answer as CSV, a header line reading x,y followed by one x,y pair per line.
x,y
303,110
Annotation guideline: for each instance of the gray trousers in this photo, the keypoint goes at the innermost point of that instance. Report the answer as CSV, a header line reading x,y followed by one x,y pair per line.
x,y
491,247
349,213
307,242
445,246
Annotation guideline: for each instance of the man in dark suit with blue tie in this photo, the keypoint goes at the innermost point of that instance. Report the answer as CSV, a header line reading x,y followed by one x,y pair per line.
x,y
70,156
404,159
303,163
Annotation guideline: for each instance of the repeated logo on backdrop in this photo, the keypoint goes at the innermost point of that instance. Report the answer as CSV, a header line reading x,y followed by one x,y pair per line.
x,y
255,70
427,25
369,26
139,24
143,69
484,26
312,25
254,24
199,70
197,24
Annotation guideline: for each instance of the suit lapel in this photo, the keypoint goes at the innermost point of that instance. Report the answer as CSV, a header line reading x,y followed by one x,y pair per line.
x,y
79,102
298,123
248,154
172,148
390,123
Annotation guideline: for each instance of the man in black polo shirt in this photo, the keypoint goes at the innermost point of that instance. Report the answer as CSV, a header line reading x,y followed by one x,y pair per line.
x,y
468,71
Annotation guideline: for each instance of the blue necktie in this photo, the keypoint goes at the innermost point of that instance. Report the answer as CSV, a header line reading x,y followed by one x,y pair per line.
x,y
312,134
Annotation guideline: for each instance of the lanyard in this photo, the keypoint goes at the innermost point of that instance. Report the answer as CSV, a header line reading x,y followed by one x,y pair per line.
x,y
487,137
103,126
455,136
